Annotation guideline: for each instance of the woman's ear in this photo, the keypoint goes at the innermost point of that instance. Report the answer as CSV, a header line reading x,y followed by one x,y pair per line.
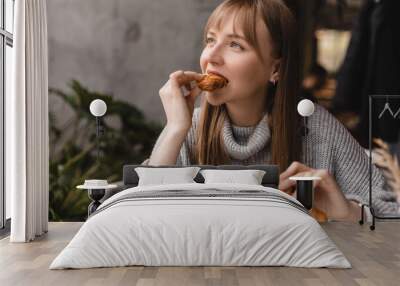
x,y
274,76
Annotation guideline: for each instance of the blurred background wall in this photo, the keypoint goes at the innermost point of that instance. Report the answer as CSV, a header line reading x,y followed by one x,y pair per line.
x,y
126,48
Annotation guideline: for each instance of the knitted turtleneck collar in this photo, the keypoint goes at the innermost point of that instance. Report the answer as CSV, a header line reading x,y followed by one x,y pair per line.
x,y
243,142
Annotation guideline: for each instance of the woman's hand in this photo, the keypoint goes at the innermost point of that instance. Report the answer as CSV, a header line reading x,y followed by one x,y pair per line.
x,y
327,195
179,108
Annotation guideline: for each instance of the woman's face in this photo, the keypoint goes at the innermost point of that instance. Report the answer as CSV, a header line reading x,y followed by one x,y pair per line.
x,y
230,55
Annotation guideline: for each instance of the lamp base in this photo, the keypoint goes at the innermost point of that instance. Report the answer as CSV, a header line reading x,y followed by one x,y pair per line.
x,y
95,195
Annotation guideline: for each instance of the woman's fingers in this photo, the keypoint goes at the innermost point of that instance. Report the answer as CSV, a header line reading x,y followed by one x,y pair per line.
x,y
178,96
184,78
188,79
327,182
190,75
286,184
174,79
290,191
290,170
176,74
294,168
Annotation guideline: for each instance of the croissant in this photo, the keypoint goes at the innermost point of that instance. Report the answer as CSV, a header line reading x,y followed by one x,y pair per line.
x,y
211,82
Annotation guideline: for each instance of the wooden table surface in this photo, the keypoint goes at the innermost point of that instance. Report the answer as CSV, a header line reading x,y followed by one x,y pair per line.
x,y
374,255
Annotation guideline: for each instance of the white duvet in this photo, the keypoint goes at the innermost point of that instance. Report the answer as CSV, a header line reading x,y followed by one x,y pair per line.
x,y
183,231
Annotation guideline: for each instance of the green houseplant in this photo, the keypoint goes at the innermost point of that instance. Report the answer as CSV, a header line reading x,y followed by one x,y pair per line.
x,y
73,148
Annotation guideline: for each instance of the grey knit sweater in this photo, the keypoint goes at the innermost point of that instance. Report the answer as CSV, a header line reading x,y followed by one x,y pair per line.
x,y
330,146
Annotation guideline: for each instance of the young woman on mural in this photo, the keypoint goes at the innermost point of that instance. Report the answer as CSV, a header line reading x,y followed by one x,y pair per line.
x,y
251,118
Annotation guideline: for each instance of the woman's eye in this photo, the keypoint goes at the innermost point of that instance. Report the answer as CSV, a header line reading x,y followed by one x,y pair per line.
x,y
236,45
209,40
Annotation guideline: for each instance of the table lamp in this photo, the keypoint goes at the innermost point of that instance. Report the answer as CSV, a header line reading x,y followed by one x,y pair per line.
x,y
98,108
304,190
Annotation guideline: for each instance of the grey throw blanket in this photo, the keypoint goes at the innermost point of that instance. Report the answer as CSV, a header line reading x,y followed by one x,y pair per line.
x,y
198,194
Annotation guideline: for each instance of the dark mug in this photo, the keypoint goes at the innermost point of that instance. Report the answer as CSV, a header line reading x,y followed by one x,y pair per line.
x,y
305,193
305,190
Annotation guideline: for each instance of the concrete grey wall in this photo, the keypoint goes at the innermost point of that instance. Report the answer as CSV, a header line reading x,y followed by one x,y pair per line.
x,y
124,47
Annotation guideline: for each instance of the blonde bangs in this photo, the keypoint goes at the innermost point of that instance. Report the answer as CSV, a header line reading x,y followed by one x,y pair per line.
x,y
244,19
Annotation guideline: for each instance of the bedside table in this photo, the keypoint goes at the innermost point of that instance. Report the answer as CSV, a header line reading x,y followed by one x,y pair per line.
x,y
96,190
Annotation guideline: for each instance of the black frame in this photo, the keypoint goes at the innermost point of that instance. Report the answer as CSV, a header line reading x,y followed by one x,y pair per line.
x,y
372,211
6,39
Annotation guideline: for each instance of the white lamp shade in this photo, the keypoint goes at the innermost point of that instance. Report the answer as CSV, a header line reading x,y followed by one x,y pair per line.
x,y
305,107
98,107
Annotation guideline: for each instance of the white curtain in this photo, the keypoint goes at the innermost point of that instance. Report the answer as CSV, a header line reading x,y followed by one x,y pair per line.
x,y
27,140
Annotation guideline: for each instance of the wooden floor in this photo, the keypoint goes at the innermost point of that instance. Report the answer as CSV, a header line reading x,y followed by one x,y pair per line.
x,y
375,256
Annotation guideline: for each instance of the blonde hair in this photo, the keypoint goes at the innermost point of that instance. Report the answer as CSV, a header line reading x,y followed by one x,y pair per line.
x,y
281,99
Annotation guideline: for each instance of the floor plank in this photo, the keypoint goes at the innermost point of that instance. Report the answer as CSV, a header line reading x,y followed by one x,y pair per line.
x,y
375,257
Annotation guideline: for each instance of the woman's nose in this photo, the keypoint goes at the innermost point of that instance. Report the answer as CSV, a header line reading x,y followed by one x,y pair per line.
x,y
214,55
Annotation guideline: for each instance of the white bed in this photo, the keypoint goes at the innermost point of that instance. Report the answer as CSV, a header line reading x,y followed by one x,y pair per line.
x,y
267,229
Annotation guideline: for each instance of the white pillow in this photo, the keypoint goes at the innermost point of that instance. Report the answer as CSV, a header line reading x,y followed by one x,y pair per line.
x,y
248,177
162,176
